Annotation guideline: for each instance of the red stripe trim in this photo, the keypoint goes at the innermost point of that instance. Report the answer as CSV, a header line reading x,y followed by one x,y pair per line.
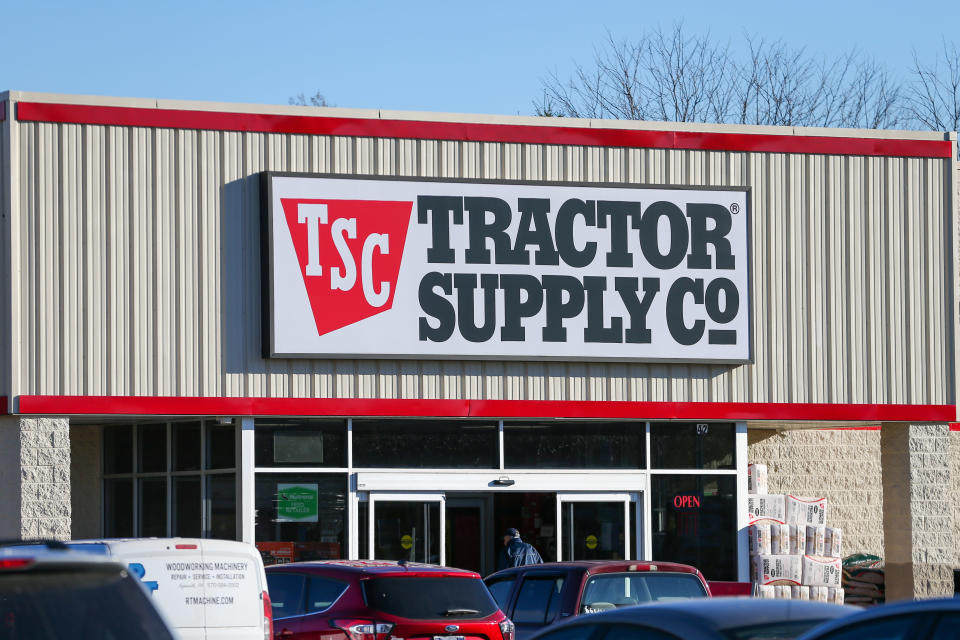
x,y
143,405
955,426
413,129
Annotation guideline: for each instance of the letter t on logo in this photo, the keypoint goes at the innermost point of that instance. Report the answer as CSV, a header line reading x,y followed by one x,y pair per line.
x,y
313,215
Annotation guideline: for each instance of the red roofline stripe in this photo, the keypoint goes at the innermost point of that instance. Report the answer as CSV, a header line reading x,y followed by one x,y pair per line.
x,y
476,132
217,406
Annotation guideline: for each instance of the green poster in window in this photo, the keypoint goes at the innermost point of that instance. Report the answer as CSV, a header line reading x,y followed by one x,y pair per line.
x,y
297,502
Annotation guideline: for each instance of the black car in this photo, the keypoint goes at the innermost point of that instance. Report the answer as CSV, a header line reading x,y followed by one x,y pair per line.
x,y
937,619
705,619
58,594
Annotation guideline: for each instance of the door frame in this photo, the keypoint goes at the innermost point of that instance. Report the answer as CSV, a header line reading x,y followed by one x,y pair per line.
x,y
631,500
417,496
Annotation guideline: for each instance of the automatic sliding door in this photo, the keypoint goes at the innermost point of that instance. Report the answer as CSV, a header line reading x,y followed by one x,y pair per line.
x,y
407,527
598,526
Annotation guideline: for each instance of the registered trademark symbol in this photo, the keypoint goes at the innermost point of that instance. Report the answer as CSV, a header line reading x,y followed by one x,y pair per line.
x,y
735,208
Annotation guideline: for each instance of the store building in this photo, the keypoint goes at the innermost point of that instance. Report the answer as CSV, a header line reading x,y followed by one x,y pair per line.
x,y
348,333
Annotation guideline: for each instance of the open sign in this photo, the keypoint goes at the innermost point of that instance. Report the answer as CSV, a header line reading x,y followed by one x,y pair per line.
x,y
686,503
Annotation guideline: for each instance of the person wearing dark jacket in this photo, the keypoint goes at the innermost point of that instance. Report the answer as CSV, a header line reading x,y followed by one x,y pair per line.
x,y
516,552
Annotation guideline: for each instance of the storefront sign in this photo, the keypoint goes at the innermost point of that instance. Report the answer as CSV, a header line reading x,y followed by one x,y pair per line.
x,y
297,502
591,541
436,269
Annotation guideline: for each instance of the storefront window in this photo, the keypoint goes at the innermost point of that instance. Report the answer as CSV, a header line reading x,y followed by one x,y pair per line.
x,y
301,516
186,446
187,507
118,507
152,519
695,522
196,484
574,445
682,445
221,506
221,446
301,443
118,449
151,448
425,444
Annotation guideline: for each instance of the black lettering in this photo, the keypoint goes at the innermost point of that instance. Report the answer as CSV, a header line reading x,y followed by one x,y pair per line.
x,y
440,250
731,303
557,309
515,309
535,230
465,284
679,235
437,307
638,333
700,236
675,321
564,232
595,331
495,230
617,212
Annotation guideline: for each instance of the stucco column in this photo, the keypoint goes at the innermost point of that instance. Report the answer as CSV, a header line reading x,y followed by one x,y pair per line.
x,y
917,510
34,478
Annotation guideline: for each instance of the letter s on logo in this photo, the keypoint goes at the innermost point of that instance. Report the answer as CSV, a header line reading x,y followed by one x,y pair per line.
x,y
379,241
346,281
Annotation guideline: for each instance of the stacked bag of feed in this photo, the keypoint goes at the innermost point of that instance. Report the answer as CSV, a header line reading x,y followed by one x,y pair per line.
x,y
863,579
794,555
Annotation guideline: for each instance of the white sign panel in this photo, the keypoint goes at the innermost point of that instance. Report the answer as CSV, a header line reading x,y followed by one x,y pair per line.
x,y
391,268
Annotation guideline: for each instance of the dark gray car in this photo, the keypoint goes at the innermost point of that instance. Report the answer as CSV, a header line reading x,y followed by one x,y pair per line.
x,y
921,620
706,619
59,594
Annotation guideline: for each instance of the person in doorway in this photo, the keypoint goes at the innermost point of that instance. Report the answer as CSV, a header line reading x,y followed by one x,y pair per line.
x,y
516,552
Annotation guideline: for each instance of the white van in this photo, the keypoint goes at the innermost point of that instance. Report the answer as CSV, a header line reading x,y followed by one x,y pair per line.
x,y
206,589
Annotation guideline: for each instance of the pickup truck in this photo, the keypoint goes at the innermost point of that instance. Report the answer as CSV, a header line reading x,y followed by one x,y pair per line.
x,y
535,596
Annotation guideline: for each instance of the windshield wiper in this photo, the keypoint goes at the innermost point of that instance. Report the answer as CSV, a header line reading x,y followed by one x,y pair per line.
x,y
461,612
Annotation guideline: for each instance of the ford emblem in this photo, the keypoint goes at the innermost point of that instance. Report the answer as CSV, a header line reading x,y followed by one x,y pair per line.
x,y
451,628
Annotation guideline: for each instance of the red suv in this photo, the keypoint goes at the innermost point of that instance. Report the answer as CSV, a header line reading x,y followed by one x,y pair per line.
x,y
376,600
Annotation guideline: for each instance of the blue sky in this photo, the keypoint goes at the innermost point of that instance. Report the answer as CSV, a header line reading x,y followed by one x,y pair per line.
x,y
480,57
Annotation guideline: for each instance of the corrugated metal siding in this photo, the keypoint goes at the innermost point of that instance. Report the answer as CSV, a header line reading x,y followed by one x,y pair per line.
x,y
139,270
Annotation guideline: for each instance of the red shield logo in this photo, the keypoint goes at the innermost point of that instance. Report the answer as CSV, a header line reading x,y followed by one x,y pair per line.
x,y
349,253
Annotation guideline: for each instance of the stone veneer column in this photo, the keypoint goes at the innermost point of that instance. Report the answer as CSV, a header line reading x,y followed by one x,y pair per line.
x,y
917,510
34,478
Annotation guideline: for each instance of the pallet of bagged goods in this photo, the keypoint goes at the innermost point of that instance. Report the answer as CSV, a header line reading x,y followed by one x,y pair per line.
x,y
864,579
794,555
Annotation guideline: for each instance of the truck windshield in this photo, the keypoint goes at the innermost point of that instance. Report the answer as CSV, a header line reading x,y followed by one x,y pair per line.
x,y
610,590
422,598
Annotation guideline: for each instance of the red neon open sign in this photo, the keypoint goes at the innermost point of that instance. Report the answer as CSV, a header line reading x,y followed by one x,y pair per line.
x,y
686,502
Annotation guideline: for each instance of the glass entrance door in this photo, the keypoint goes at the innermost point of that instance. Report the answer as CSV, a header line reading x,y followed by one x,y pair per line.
x,y
407,527
598,526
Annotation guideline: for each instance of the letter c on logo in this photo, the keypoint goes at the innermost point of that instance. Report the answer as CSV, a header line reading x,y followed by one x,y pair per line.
x,y
379,241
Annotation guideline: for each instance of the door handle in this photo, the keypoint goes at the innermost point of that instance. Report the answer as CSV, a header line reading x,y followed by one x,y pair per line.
x,y
284,633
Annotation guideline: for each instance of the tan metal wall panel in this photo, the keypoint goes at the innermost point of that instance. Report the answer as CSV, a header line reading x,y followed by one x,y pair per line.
x,y
139,269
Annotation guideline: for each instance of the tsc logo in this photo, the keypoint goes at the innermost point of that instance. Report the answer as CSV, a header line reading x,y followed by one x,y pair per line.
x,y
349,254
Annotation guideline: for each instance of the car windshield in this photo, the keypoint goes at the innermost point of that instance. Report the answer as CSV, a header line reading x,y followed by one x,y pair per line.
x,y
81,605
772,630
424,598
610,590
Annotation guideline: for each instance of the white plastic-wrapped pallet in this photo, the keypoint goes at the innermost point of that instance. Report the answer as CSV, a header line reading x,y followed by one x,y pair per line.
x,y
783,592
815,540
820,571
835,595
777,570
766,591
765,509
833,542
818,594
777,546
759,535
806,510
756,478
798,539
